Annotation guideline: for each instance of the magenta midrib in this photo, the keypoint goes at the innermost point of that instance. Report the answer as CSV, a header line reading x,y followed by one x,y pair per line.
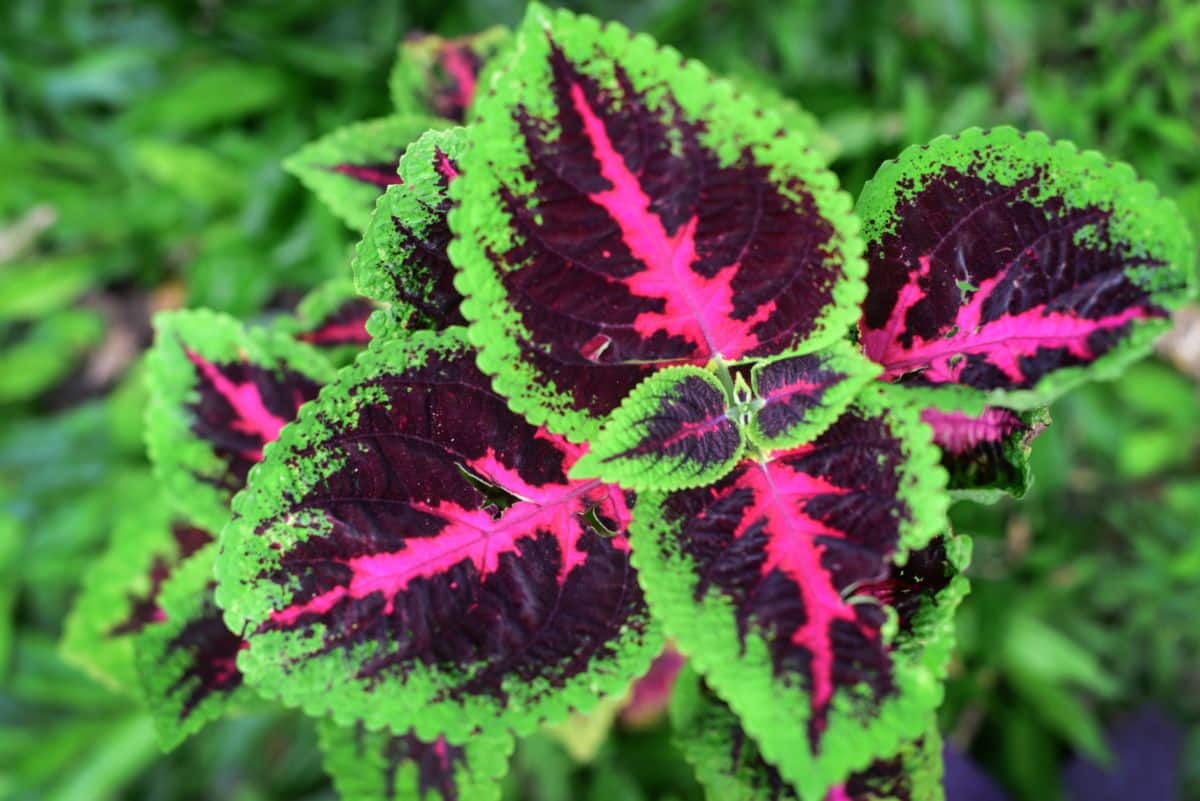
x,y
693,429
823,603
459,69
415,569
628,219
928,351
798,388
910,294
351,333
258,420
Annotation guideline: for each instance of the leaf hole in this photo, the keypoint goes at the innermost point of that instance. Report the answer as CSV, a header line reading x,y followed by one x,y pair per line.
x,y
496,499
602,525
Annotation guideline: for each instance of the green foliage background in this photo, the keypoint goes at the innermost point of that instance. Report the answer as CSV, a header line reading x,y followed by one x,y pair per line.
x,y
140,145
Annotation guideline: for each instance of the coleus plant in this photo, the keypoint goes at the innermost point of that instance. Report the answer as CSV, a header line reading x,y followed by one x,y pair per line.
x,y
636,369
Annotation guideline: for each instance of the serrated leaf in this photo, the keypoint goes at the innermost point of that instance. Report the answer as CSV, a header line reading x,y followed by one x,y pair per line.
x,y
801,394
1016,266
219,393
986,455
350,167
381,766
333,319
187,661
402,258
120,591
730,768
777,580
435,76
674,431
621,208
412,554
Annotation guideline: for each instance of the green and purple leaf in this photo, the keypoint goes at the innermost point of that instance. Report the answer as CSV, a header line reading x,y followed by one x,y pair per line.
x,y
435,76
187,659
730,767
413,554
402,258
219,393
381,766
621,208
800,394
777,582
120,591
1016,266
352,166
674,431
986,455
333,319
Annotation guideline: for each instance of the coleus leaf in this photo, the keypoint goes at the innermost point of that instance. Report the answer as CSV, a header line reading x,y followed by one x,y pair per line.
x,y
188,660
381,766
438,76
674,431
402,258
333,319
986,455
412,554
776,582
1016,266
730,767
622,209
219,393
351,166
801,393
120,591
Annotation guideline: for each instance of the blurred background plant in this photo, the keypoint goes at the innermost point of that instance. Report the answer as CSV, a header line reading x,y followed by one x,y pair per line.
x,y
140,150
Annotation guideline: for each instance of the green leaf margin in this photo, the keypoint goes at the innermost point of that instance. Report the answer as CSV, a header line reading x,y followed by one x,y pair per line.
x,y
704,727
357,760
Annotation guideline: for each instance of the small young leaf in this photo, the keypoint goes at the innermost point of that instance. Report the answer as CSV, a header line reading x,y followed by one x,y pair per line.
x,y
402,258
437,76
120,593
802,394
621,208
729,766
381,766
188,660
219,392
412,554
333,319
672,432
986,455
651,694
350,167
776,582
1016,266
